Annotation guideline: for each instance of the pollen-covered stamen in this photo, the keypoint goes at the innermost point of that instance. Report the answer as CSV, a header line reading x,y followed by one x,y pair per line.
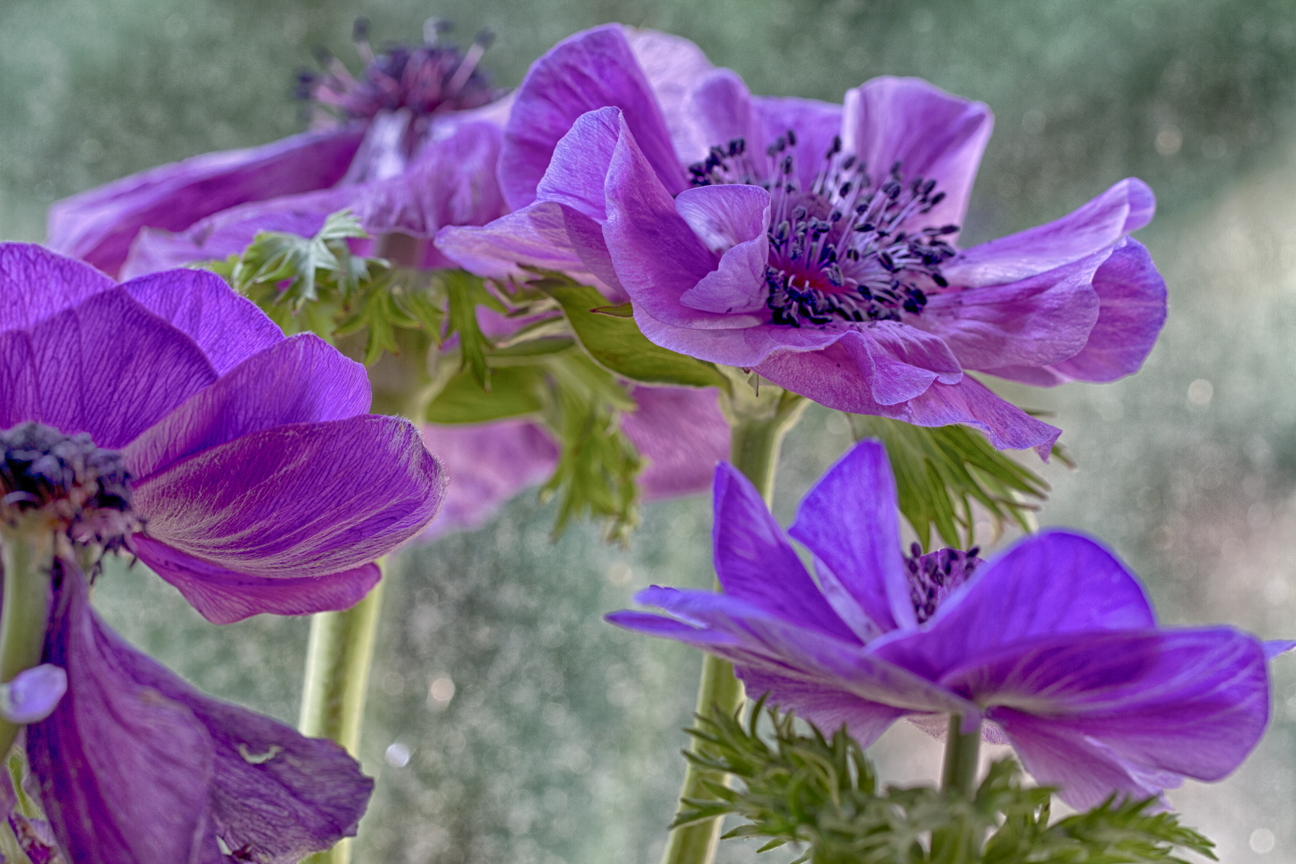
x,y
840,249
433,77
83,491
934,576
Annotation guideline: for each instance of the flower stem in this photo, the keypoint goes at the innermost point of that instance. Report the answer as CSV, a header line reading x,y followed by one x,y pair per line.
x,y
338,659
27,553
758,423
959,843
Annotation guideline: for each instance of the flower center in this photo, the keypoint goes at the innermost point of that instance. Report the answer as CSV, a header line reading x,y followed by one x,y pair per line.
x,y
82,490
934,576
841,249
433,77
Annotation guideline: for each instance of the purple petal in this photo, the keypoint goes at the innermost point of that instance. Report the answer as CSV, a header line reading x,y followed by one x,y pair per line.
x,y
107,366
1053,583
36,284
485,466
305,499
1277,647
33,694
302,379
719,109
1096,226
590,70
731,221
578,170
929,132
1037,321
224,596
136,765
756,564
827,709
1131,312
228,328
98,226
682,434
672,66
534,236
815,124
850,522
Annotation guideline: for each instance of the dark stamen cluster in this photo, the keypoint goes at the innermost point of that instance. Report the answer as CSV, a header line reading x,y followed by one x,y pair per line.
x,y
934,576
435,76
83,490
840,249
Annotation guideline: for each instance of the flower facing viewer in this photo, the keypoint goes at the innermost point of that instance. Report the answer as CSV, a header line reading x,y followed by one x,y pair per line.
x,y
814,243
1052,644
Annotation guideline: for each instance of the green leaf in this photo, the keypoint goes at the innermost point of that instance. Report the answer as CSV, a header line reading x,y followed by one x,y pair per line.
x,y
464,293
613,339
940,471
516,391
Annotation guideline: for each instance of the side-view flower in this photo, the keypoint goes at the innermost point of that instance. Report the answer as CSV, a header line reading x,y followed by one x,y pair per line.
x,y
169,417
812,243
1052,645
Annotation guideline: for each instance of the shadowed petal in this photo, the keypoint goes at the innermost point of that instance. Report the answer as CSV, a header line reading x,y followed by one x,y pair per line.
x,y
306,499
827,709
850,522
815,124
585,72
98,226
929,132
302,379
1053,583
223,596
756,564
1098,225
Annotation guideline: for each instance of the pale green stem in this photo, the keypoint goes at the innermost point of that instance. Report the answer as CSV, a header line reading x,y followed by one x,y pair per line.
x,y
27,553
959,844
338,659
757,428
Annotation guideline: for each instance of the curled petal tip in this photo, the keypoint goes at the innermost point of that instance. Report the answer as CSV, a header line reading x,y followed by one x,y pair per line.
x,y
33,694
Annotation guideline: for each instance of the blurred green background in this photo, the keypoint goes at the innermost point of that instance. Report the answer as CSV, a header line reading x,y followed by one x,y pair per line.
x,y
557,742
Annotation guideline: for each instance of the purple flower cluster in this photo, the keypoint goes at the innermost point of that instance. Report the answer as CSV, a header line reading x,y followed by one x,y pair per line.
x,y
170,417
813,243
1052,644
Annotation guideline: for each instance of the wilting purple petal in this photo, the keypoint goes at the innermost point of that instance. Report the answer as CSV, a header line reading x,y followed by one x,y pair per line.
x,y
755,562
33,694
681,433
849,522
98,226
135,765
301,379
224,596
304,499
585,72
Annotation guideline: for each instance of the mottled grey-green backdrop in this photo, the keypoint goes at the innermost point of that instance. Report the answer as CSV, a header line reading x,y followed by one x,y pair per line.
x,y
558,744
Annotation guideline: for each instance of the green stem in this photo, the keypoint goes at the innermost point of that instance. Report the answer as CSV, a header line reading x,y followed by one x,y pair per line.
x,y
960,842
758,425
338,659
28,557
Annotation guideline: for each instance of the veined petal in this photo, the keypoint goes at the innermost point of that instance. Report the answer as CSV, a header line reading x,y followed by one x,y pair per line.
x,y
673,66
36,284
302,379
224,596
929,132
756,564
578,169
725,216
1056,582
590,70
683,435
850,522
305,499
534,236
718,110
98,226
815,124
1098,225
827,709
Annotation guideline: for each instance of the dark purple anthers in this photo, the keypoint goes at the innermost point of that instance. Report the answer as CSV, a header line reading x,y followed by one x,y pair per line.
x,y
82,489
434,77
838,249
936,575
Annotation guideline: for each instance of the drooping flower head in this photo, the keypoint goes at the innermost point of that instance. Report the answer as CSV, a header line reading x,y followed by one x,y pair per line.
x,y
1052,643
170,417
814,243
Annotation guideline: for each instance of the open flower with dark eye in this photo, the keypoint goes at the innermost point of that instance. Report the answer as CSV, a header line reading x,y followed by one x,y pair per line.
x,y
170,417
409,145
1052,643
815,243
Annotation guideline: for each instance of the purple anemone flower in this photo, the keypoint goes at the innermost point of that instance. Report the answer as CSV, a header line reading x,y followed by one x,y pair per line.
x,y
259,482
814,243
1052,644
414,149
